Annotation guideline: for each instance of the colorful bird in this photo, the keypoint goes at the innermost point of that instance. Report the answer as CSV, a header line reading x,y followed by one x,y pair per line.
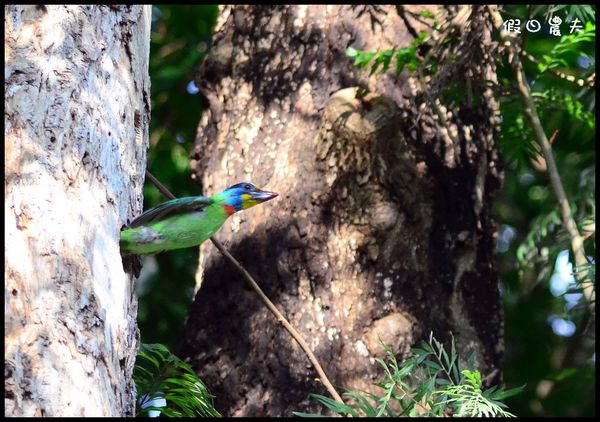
x,y
186,222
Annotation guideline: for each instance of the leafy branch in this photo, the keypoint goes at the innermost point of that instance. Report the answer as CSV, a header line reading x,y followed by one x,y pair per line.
x,y
550,62
530,111
470,400
406,56
161,376
431,382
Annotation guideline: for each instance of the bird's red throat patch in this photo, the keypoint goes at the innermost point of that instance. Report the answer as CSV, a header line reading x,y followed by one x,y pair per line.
x,y
229,209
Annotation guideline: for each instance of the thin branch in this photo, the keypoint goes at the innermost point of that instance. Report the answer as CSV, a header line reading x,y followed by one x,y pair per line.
x,y
248,278
555,181
553,137
589,82
162,188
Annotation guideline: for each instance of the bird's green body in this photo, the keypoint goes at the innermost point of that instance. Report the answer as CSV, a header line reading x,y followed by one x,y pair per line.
x,y
186,222
175,232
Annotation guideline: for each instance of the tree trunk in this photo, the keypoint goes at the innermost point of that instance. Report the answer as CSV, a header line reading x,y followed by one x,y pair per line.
x,y
76,132
382,229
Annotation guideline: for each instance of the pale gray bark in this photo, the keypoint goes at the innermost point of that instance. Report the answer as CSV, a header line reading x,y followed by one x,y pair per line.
x,y
76,132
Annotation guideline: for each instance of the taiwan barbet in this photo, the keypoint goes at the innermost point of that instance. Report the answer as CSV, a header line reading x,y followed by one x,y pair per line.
x,y
185,222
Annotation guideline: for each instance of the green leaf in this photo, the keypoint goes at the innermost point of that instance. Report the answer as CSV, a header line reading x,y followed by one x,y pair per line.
x,y
351,52
334,405
426,14
362,402
437,368
307,415
503,394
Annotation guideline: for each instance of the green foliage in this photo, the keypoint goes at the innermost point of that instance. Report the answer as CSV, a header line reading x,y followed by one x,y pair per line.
x,y
470,400
532,250
528,206
405,57
568,45
517,135
562,105
427,14
550,100
158,374
431,382
583,12
553,95
181,38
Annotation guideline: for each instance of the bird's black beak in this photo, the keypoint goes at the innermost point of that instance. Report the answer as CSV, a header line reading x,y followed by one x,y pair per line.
x,y
263,195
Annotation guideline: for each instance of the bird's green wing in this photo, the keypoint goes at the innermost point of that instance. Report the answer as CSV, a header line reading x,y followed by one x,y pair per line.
x,y
170,208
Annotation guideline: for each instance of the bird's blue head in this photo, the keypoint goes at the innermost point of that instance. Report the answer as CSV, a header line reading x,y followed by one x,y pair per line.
x,y
242,196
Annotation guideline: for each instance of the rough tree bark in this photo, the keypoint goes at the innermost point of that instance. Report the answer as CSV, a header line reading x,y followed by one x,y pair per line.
x,y
76,135
382,229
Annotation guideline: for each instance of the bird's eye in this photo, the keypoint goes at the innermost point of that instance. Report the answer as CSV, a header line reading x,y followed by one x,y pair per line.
x,y
248,186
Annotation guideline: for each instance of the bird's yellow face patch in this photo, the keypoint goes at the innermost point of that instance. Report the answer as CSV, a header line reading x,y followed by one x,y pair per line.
x,y
248,202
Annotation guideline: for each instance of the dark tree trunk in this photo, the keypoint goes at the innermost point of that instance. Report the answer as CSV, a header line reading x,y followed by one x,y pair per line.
x,y
383,226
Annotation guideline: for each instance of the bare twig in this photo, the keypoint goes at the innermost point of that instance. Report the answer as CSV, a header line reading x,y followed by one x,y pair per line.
x,y
555,181
280,318
553,137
